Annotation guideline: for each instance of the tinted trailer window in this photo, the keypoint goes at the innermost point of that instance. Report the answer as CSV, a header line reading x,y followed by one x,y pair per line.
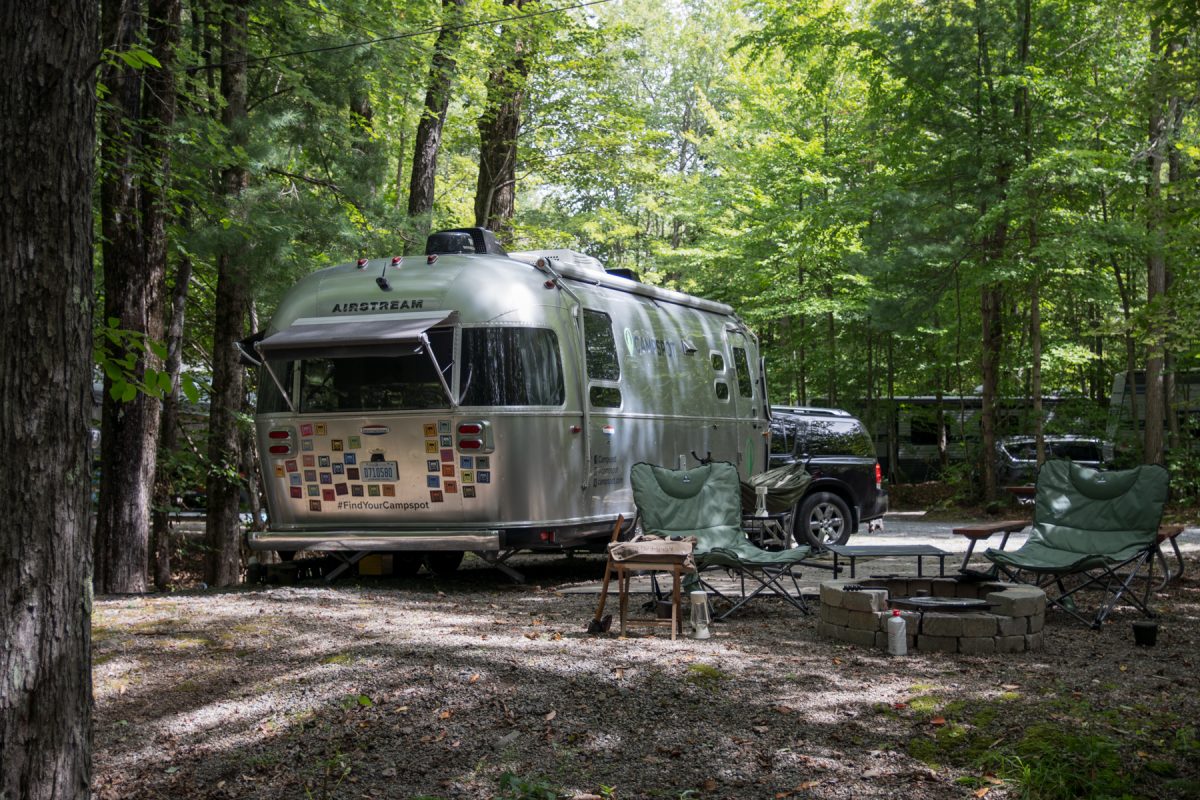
x,y
511,367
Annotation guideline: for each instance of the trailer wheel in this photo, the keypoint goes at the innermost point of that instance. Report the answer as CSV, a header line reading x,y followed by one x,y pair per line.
x,y
444,562
405,565
823,519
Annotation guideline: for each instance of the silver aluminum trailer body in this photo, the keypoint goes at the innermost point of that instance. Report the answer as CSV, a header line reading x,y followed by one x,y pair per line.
x,y
483,403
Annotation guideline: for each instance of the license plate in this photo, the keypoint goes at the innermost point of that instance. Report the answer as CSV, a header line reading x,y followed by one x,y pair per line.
x,y
378,471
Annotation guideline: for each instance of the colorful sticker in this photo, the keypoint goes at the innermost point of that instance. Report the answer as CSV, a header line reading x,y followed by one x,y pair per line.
x,y
314,490
310,476
431,446
342,489
435,496
326,477
483,477
446,441
279,470
443,426
335,445
354,442
468,476
483,462
389,490
466,462
356,490
350,458
433,482
448,455
327,494
352,473
448,470
291,465
373,490
338,469
319,428
296,492
451,487
468,491
306,429
310,461
306,445
430,430
314,505
295,481
323,461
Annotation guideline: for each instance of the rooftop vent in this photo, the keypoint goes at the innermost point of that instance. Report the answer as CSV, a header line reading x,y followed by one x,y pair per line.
x,y
463,241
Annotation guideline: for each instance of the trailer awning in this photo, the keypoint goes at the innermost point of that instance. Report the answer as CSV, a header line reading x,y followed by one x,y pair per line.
x,y
333,337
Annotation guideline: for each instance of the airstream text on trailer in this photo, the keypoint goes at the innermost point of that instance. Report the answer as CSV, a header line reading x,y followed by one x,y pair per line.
x,y
472,400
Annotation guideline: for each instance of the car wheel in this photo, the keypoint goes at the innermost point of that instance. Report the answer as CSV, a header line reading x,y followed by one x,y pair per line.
x,y
444,562
823,519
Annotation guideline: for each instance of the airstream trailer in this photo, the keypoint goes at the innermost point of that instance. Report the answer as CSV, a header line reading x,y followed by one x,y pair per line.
x,y
473,400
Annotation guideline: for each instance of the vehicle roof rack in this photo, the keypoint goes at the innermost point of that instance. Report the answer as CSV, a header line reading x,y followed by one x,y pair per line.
x,y
811,411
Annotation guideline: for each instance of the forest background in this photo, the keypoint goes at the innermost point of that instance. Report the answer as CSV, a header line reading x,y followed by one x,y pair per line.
x,y
902,198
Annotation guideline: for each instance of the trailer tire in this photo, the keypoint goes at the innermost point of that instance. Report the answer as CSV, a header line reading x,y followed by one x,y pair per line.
x,y
444,562
406,565
822,519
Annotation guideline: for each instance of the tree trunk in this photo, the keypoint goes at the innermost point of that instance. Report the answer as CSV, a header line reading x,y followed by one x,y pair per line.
x,y
159,109
1156,261
129,429
222,531
499,126
47,119
429,130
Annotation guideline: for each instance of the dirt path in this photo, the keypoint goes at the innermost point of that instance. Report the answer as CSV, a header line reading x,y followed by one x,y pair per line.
x,y
439,688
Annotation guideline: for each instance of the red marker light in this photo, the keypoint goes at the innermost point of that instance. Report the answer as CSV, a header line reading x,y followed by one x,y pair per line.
x,y
470,444
432,257
470,428
395,261
279,449
362,262
280,434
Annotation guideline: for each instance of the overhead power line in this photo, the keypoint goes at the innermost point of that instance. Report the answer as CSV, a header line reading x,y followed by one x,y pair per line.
x,y
396,37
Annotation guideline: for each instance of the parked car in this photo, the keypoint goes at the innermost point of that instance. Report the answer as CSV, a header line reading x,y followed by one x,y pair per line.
x,y
847,488
1016,456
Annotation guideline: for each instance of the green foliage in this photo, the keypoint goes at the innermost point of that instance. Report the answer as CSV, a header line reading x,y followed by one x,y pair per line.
x,y
514,787
122,356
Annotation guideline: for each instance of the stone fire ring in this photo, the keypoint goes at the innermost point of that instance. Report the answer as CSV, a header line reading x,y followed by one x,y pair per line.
x,y
1012,624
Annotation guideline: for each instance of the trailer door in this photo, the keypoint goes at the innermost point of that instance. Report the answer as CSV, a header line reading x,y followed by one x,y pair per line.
x,y
747,401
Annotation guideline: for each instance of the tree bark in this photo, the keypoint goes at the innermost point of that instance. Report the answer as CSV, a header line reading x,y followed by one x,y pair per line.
x,y
129,429
428,141
1156,262
222,531
499,127
47,119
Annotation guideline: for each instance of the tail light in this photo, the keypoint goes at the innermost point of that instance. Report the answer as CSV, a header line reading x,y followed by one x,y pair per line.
x,y
475,435
281,442
878,476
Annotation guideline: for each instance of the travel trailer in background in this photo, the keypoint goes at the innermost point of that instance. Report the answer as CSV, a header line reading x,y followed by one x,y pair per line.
x,y
1127,410
474,400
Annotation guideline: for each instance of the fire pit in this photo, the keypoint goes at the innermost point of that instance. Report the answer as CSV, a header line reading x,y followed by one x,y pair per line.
x,y
952,615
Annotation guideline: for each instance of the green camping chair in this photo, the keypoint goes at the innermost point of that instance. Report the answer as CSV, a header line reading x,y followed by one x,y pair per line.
x,y
705,502
1099,526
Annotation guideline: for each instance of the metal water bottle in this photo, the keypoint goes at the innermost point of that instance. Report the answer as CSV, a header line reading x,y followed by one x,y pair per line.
x,y
897,641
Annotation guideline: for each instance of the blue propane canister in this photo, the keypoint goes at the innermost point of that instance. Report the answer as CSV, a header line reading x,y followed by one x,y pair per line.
x,y
897,639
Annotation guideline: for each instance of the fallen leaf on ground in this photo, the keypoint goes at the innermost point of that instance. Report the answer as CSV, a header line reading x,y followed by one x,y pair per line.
x,y
938,721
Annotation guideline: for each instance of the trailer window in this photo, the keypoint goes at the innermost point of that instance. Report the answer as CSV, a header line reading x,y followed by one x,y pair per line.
x,y
601,348
511,367
745,385
270,399
373,383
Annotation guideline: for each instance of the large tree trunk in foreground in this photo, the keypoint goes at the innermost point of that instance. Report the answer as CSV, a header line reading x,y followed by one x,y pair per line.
x,y
222,531
47,112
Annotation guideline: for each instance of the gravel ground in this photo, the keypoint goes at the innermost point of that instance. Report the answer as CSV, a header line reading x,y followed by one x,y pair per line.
x,y
431,687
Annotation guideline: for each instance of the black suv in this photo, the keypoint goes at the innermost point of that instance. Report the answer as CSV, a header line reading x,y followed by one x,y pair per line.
x,y
847,488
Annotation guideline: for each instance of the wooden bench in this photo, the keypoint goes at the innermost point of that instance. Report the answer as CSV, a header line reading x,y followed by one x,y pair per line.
x,y
986,530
